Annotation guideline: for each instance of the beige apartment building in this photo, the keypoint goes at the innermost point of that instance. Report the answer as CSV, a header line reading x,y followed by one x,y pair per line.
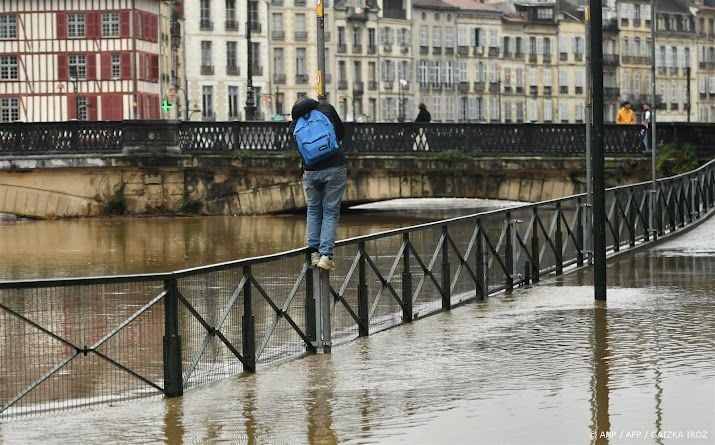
x,y
703,97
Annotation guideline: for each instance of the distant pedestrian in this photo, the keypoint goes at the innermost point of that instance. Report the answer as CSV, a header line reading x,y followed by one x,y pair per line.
x,y
646,130
420,136
324,184
625,115
423,115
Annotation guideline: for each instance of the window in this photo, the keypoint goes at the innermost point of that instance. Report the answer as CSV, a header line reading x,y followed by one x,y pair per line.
x,y
357,37
424,35
8,27
637,83
278,67
357,71
548,111
207,101
449,37
300,62
277,25
544,13
371,42
110,24
533,112
77,67
563,77
300,22
231,18
462,33
423,73
579,77
233,102
547,77
579,111
205,14
82,108
75,25
563,112
437,37
8,67
9,109
341,36
231,58
116,66
206,59
533,77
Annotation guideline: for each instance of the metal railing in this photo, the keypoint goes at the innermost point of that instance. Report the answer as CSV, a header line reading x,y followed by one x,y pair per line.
x,y
368,138
75,342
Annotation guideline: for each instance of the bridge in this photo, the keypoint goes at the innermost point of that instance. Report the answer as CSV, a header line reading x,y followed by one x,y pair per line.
x,y
236,168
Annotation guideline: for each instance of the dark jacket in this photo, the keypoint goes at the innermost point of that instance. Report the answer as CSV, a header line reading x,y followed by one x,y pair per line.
x,y
304,106
423,116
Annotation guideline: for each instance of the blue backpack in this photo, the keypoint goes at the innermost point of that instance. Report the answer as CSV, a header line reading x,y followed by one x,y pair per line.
x,y
315,137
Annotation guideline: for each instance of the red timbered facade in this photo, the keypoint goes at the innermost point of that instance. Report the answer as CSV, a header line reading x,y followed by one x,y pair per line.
x,y
79,59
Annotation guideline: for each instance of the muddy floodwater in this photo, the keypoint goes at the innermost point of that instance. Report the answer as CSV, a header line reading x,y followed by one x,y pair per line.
x,y
542,365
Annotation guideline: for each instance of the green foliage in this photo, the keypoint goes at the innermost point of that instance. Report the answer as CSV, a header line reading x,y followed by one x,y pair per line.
x,y
242,154
291,154
674,161
451,155
189,205
117,204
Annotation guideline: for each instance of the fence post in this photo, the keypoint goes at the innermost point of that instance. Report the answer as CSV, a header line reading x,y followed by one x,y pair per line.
x,y
311,328
579,232
509,253
173,377
446,292
363,314
249,324
325,300
559,242
406,281
535,252
631,217
482,291
695,206
648,204
616,223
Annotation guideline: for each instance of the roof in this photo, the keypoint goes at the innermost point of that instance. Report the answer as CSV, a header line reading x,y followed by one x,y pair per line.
x,y
671,6
432,4
473,5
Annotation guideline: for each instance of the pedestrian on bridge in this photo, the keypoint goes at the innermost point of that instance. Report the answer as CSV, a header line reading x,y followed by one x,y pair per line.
x,y
626,116
420,136
324,184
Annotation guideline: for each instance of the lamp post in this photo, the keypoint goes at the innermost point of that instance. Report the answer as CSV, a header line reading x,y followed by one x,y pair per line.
x,y
73,79
401,98
250,107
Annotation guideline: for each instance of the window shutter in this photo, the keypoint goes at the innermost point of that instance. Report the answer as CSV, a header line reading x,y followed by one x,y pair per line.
x,y
62,69
148,25
105,69
154,67
126,66
92,28
124,24
71,106
92,108
91,66
61,19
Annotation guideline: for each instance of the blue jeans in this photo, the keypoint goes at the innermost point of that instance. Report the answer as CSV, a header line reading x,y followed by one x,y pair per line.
x,y
323,193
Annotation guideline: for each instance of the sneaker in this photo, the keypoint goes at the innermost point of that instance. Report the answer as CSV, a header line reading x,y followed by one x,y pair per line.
x,y
314,259
326,263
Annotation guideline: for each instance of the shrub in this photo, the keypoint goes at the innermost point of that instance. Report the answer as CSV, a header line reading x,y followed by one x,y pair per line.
x,y
674,161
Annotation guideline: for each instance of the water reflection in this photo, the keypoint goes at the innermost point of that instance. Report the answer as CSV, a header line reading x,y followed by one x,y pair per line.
x,y
601,424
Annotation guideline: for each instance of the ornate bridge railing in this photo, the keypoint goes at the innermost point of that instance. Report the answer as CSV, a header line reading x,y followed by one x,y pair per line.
x,y
75,342
367,138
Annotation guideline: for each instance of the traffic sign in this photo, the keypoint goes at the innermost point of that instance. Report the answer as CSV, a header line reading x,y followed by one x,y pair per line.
x,y
166,106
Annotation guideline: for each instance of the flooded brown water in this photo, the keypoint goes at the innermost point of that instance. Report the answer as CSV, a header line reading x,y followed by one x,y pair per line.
x,y
543,365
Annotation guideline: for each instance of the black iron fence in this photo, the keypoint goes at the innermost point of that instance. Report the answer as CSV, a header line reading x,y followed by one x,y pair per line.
x,y
75,342
361,138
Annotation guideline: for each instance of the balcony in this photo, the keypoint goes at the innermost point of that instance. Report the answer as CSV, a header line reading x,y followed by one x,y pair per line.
x,y
534,90
674,107
424,87
372,85
208,116
207,70
372,49
424,50
387,49
493,87
342,84
662,70
256,70
388,85
674,70
255,27
578,57
532,58
359,14
610,59
301,79
231,25
579,90
342,48
278,35
299,2
519,90
206,25
610,25
358,88
404,49
463,87
547,90
461,50
357,49
232,70
546,58
706,65
493,51
279,78
276,2
394,13
507,89
564,89
563,57
436,50
479,87
300,36
611,92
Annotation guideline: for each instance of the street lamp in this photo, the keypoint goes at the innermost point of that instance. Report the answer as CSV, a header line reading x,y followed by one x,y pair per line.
x,y
401,96
73,79
250,96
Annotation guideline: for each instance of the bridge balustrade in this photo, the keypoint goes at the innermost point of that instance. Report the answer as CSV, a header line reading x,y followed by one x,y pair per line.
x,y
361,138
74,342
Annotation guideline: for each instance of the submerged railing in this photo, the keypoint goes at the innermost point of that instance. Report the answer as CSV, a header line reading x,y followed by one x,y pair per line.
x,y
74,342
